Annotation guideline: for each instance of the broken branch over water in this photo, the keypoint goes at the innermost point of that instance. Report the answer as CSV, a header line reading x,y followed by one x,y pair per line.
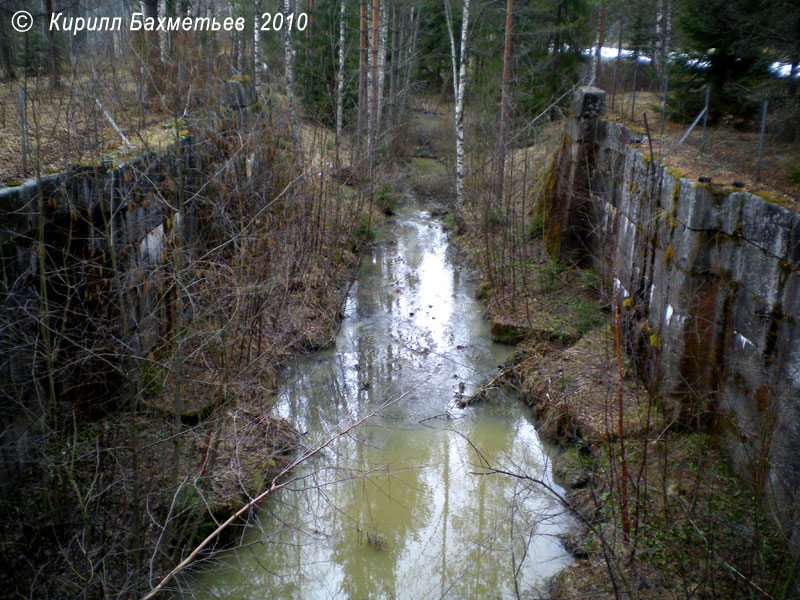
x,y
274,486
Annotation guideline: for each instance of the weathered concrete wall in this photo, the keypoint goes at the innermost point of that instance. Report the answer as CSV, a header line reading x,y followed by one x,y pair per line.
x,y
712,282
64,316
71,316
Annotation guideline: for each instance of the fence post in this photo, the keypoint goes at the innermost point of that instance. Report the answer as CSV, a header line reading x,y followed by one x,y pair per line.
x,y
616,63
663,116
635,71
761,138
705,117
141,95
23,130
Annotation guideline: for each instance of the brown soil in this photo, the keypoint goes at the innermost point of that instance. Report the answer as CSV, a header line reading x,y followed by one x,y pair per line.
x,y
575,391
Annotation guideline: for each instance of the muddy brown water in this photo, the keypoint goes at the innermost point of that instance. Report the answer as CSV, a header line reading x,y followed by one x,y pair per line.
x,y
401,507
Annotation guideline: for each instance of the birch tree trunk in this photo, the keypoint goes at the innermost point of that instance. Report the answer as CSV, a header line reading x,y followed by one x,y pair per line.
x,y
372,83
340,74
234,43
665,29
458,63
501,141
257,48
408,61
362,79
383,28
241,67
395,68
288,55
162,34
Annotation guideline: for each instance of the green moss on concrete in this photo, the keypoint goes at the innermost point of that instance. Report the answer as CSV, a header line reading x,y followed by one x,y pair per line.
x,y
785,269
770,199
655,341
669,255
675,173
552,216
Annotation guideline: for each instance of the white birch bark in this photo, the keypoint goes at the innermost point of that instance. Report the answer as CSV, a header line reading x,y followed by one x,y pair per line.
x,y
362,80
242,48
372,76
162,34
340,74
448,15
664,24
458,64
409,60
395,68
288,55
257,48
383,28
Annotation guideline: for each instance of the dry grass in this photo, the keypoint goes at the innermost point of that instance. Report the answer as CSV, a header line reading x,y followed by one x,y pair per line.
x,y
695,530
574,391
65,126
91,546
728,154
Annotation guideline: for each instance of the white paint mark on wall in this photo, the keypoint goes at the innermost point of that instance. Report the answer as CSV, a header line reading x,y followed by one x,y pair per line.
x,y
152,245
151,248
743,342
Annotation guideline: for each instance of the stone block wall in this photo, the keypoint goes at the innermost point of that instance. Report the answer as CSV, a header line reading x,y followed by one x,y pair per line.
x,y
713,281
73,219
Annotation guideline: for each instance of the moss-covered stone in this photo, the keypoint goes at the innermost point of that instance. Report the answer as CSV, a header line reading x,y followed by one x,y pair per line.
x,y
508,333
484,292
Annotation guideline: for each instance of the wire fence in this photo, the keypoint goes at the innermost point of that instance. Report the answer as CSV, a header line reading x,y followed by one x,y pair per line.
x,y
759,150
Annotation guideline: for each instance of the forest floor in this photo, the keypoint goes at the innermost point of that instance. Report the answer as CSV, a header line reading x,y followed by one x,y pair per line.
x,y
67,126
692,529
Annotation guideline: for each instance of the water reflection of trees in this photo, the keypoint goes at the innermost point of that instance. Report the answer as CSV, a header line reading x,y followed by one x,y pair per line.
x,y
408,518
382,510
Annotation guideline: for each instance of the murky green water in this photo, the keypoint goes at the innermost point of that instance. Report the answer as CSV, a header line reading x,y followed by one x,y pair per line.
x,y
398,507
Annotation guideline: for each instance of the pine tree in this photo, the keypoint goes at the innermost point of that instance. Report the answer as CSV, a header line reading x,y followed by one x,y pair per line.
x,y
722,36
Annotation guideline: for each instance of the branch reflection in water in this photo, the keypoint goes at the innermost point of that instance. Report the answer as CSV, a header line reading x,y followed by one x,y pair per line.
x,y
398,508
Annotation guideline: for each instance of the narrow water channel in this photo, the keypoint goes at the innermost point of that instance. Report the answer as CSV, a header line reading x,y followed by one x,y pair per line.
x,y
398,508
